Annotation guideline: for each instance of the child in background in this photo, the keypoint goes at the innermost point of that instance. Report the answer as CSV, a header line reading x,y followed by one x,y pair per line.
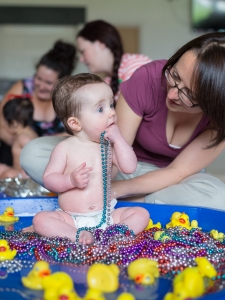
x,y
84,103
18,112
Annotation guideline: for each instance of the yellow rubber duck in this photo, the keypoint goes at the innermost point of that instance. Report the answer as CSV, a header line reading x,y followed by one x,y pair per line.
x,y
205,268
5,252
219,236
34,279
65,293
151,225
182,220
190,282
160,235
8,215
125,296
93,294
104,278
59,284
143,271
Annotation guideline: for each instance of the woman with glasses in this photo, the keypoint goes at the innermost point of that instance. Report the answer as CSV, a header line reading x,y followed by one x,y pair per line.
x,y
173,114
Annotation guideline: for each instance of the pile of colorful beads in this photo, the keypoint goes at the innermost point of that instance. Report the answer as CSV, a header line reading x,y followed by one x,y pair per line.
x,y
118,245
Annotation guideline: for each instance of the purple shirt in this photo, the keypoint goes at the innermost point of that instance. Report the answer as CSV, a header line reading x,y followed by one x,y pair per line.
x,y
145,93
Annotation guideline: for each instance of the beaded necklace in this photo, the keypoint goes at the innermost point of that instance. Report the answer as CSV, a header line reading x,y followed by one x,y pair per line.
x,y
106,157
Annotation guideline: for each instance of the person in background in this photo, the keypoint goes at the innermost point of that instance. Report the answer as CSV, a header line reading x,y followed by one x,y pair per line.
x,y
101,50
56,63
85,105
18,113
173,114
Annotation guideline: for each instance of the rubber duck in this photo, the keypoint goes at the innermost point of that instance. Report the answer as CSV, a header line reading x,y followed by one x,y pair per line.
x,y
125,296
219,236
93,294
190,282
205,267
8,215
34,279
151,225
65,293
59,284
104,278
161,236
143,271
181,220
5,252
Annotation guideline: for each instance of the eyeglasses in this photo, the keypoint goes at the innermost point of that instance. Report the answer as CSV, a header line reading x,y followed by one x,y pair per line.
x,y
183,97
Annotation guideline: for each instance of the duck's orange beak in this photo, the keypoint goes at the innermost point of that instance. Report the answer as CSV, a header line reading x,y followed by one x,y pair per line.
x,y
139,278
182,221
44,273
10,214
2,249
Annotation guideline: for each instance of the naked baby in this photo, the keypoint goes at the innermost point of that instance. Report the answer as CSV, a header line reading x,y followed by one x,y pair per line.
x,y
85,105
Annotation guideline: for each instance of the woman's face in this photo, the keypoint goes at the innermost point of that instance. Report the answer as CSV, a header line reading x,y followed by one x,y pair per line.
x,y
182,74
92,54
44,80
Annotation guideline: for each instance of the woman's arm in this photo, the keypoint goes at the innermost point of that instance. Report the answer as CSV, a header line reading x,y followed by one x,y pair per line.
x,y
5,136
127,121
191,160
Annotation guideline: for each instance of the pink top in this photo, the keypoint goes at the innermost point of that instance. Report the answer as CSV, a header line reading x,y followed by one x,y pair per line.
x,y
145,93
129,63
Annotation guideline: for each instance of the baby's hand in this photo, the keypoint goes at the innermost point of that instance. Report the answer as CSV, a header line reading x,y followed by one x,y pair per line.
x,y
80,176
112,133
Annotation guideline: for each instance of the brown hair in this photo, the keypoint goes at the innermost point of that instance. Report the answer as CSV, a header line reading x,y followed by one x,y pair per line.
x,y
19,109
107,34
61,58
66,101
208,79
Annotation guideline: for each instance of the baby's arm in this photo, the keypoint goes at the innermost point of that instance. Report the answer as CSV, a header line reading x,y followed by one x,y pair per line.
x,y
54,178
123,155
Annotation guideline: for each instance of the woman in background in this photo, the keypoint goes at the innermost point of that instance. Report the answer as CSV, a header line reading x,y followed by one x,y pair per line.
x,y
56,63
101,50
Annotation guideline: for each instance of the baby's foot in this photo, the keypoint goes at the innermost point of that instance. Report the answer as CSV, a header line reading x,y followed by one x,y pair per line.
x,y
86,238
28,229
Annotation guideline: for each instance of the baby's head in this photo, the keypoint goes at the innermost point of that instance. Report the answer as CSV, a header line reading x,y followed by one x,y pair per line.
x,y
68,96
18,111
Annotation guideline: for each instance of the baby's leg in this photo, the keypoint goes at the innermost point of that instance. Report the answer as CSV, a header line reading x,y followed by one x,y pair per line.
x,y
54,223
136,218
59,223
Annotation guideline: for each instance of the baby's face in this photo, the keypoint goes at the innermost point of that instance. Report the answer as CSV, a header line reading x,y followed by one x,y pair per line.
x,y
97,111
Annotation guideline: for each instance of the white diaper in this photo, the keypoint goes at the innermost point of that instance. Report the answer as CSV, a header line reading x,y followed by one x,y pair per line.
x,y
91,219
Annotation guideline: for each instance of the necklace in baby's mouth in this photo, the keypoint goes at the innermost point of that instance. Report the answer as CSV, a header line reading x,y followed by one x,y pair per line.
x,y
106,157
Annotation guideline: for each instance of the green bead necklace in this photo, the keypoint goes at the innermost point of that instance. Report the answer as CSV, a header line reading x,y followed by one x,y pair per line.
x,y
106,157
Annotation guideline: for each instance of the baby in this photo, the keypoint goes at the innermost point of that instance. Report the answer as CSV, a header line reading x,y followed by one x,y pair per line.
x,y
18,113
85,105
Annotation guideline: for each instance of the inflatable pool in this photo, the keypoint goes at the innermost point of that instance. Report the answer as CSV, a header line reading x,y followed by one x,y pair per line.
x,y
10,282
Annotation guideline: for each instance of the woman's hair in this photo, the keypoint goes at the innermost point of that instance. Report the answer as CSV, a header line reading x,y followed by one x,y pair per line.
x,y
208,79
20,110
107,34
61,58
67,97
